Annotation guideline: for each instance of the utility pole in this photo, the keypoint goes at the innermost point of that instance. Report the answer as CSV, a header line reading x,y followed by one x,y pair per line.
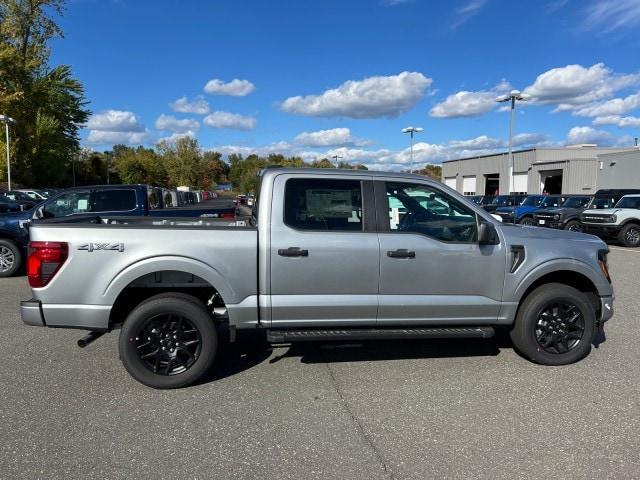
x,y
411,131
512,97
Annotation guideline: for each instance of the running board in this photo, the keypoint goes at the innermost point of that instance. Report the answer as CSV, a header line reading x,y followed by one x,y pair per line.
x,y
285,336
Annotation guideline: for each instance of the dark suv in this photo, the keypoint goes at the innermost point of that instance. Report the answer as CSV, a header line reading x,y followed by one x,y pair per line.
x,y
567,216
502,201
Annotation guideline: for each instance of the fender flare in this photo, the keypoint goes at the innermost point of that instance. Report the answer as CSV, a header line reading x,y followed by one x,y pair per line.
x,y
563,264
164,263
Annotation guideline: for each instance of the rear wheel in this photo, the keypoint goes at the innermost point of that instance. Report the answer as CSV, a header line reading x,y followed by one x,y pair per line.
x,y
574,226
527,221
555,325
168,341
10,258
629,235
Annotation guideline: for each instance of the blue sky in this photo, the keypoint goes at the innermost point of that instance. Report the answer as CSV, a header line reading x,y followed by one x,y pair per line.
x,y
318,78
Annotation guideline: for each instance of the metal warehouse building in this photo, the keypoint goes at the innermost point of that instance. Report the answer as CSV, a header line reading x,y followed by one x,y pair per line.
x,y
576,169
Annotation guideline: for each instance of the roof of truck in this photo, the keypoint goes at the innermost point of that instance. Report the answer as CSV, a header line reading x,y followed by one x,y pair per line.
x,y
339,171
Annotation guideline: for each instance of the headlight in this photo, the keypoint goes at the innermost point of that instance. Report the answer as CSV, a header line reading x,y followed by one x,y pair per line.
x,y
604,264
556,217
613,218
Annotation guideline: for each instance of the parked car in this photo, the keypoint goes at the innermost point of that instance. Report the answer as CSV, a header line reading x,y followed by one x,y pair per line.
x,y
523,212
122,200
622,222
35,195
500,201
324,258
7,206
21,198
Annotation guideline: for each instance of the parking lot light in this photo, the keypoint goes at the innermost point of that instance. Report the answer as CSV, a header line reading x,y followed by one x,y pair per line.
x,y
512,97
7,120
411,131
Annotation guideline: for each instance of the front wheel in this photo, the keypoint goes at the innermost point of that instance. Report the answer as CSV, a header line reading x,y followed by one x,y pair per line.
x,y
629,235
168,341
555,325
527,221
574,226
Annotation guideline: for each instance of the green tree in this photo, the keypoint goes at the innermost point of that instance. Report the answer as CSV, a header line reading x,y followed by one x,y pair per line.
x,y
47,102
181,160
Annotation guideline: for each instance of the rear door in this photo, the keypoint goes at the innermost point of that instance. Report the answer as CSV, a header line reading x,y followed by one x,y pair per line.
x,y
324,252
432,269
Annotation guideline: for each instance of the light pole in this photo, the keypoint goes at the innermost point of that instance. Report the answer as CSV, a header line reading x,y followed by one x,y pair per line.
x,y
411,131
512,97
336,157
7,120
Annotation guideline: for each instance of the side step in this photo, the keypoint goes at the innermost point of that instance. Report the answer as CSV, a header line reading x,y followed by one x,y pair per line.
x,y
285,336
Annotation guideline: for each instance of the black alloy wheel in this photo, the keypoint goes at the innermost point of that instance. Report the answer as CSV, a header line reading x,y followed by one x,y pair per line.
x,y
630,235
10,258
168,345
527,221
574,226
560,327
168,341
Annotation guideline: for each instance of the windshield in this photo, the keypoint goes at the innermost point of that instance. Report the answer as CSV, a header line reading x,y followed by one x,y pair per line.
x,y
576,202
551,202
601,202
531,201
629,202
501,201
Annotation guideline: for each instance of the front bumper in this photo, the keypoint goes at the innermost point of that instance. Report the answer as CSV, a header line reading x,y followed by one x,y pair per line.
x,y
31,313
601,230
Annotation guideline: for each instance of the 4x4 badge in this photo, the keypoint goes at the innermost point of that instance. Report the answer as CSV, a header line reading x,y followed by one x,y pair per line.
x,y
113,247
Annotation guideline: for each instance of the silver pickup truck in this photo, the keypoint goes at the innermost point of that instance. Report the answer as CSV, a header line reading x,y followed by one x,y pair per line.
x,y
328,255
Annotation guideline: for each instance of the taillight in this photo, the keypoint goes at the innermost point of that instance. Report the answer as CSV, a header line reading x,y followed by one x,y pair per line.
x,y
228,215
44,261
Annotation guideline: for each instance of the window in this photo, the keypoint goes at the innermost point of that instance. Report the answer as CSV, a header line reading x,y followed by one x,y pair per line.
x,y
421,209
320,204
629,202
66,204
114,200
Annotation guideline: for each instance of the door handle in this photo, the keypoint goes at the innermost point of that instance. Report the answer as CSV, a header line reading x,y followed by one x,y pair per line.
x,y
293,252
401,253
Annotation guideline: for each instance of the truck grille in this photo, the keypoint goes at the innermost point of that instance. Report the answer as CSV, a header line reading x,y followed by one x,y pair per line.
x,y
544,216
596,218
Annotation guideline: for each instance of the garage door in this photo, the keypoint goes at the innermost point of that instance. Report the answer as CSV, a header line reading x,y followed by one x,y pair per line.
x,y
469,185
520,182
450,182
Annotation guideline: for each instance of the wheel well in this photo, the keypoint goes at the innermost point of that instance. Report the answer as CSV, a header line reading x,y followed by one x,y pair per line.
x,y
164,281
570,278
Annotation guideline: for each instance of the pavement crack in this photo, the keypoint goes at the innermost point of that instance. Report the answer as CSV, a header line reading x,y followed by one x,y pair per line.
x,y
358,424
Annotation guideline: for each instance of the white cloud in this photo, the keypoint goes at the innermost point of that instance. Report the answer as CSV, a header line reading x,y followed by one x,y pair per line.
x,y
479,143
580,135
615,106
169,122
606,16
114,121
467,12
102,137
530,139
373,97
329,138
198,106
235,88
220,119
469,104
573,86
177,136
617,120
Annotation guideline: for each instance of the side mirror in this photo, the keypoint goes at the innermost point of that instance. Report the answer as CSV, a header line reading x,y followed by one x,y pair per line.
x,y
487,234
39,213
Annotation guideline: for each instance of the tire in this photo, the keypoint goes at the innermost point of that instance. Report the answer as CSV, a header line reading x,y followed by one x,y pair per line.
x,y
180,345
533,328
527,221
574,226
10,258
629,235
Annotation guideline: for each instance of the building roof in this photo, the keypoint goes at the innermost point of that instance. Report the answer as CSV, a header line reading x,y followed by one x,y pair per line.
x,y
570,148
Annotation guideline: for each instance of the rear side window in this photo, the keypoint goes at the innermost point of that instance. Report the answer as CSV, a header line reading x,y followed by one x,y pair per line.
x,y
319,204
114,201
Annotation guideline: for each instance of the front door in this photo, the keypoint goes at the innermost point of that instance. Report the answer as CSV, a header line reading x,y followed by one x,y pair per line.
x,y
324,253
432,270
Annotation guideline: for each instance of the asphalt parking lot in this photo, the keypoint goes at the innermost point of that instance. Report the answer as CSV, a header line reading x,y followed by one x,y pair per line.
x,y
454,409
